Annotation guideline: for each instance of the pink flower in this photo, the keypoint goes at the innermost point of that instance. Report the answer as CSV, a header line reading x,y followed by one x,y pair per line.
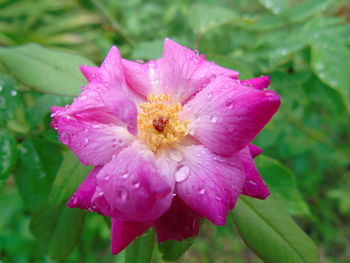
x,y
169,139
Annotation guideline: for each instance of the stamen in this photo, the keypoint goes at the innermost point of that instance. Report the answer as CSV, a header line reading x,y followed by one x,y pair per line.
x,y
159,122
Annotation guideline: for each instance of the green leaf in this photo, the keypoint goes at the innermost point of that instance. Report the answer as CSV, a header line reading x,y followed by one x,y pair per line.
x,y
57,228
141,249
68,178
42,106
330,60
44,69
306,9
203,17
172,250
38,164
275,6
271,233
282,184
148,50
8,153
9,98
266,22
228,62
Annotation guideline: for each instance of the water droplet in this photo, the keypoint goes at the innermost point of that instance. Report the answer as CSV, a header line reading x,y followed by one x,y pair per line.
x,y
136,184
74,200
250,181
122,194
86,140
64,137
125,175
218,198
182,172
176,155
84,97
201,190
13,92
210,96
107,178
1,88
213,118
229,104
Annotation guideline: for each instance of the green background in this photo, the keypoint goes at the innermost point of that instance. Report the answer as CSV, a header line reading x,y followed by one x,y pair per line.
x,y
302,45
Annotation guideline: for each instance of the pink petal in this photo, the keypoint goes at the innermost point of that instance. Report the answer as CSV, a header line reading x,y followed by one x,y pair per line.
x,y
83,195
104,81
260,83
123,108
180,72
178,223
94,142
111,73
254,150
132,187
208,183
226,116
89,72
138,76
254,185
123,233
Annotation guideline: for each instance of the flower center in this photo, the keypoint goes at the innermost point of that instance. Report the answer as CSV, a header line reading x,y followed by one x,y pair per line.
x,y
159,123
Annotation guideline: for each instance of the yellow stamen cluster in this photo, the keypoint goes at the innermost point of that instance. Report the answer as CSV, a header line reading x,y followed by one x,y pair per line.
x,y
159,123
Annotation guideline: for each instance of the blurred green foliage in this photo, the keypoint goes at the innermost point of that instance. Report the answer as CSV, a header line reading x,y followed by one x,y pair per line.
x,y
303,45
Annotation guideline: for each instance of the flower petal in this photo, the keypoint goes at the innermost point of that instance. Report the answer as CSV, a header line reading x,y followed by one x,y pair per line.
x,y
83,195
123,233
111,73
254,185
260,83
254,150
138,76
132,186
123,108
94,142
178,223
226,116
180,72
89,72
208,183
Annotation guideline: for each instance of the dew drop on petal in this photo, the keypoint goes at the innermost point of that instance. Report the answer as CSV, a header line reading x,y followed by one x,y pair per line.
x,y
176,155
74,200
136,184
125,175
122,194
65,138
182,172
201,190
213,118
252,182
229,104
